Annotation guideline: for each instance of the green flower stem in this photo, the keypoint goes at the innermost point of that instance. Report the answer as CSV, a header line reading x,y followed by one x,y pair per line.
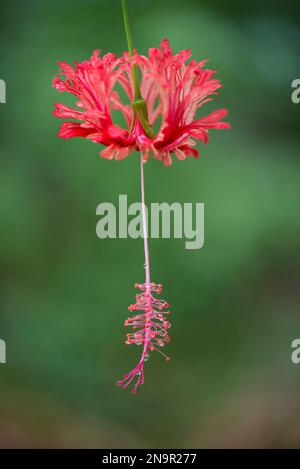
x,y
140,108
139,105
137,92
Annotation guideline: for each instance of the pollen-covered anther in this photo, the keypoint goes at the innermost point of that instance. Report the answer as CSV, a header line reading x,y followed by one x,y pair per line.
x,y
150,329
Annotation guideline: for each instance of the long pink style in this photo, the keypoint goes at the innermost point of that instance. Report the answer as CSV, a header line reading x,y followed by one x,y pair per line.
x,y
150,327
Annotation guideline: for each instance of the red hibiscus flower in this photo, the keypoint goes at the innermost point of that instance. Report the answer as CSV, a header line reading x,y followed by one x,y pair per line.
x,y
171,91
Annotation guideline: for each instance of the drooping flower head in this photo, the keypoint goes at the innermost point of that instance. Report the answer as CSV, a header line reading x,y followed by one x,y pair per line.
x,y
159,119
172,88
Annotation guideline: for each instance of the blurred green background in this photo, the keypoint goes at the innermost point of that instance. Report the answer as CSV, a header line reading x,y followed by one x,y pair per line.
x,y
64,293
